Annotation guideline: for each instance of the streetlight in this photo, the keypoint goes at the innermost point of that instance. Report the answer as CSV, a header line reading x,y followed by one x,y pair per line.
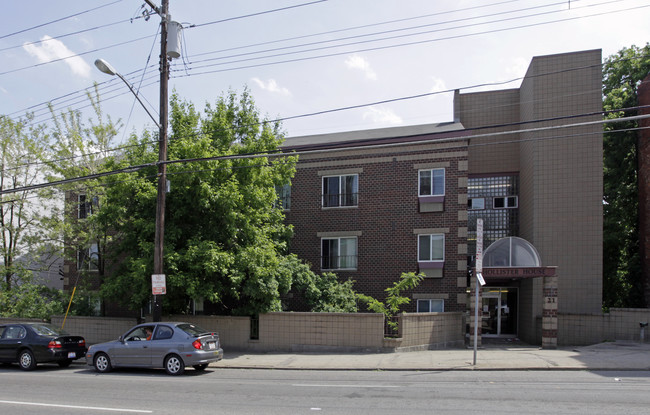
x,y
106,67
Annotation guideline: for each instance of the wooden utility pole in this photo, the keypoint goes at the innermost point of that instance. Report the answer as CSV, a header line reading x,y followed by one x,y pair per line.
x,y
158,255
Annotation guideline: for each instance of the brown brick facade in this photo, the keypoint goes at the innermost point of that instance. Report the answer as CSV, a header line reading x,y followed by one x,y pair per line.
x,y
388,219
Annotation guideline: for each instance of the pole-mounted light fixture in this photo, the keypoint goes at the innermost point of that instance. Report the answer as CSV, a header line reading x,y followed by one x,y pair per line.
x,y
108,69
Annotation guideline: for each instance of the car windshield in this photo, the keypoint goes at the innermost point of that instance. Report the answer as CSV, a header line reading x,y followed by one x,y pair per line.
x,y
48,330
192,330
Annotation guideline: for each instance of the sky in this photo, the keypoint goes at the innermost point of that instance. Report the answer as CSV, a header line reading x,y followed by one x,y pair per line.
x,y
296,57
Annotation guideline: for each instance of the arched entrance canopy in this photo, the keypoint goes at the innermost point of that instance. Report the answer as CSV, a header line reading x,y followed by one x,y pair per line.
x,y
511,252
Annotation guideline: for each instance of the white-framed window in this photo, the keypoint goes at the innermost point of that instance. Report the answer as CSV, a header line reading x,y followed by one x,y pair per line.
x,y
341,191
505,202
339,253
431,247
88,258
476,203
284,196
431,182
431,306
86,205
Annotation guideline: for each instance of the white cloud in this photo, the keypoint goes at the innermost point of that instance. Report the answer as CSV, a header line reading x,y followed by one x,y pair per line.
x,y
382,116
271,86
517,67
438,85
360,63
4,90
52,49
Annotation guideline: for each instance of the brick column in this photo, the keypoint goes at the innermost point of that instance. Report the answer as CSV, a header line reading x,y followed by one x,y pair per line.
x,y
549,313
472,303
644,187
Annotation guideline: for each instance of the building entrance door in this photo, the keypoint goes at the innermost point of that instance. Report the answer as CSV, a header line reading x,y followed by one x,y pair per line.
x,y
499,312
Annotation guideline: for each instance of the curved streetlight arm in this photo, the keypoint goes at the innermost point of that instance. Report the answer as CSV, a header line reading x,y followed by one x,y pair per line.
x,y
106,67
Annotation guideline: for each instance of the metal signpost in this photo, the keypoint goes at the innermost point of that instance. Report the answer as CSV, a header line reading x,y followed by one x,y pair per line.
x,y
479,279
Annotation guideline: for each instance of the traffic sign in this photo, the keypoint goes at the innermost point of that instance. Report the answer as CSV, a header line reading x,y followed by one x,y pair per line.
x,y
158,286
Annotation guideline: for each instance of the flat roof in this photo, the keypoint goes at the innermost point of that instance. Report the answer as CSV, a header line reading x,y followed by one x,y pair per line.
x,y
372,135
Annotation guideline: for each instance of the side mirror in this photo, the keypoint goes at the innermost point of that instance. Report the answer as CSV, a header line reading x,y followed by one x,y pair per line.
x,y
121,339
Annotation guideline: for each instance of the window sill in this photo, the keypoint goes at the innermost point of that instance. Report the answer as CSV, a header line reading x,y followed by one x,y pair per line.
x,y
339,207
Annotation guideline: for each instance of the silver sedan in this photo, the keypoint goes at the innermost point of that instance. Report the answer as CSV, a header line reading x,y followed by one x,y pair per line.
x,y
172,346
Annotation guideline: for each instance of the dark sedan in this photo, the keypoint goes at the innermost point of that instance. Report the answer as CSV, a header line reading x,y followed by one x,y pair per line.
x,y
171,346
30,343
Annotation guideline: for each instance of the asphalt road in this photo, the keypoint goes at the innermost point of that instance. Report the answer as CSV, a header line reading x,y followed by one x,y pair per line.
x,y
77,390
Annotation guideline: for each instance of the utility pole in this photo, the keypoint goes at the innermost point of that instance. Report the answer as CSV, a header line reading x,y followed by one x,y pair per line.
x,y
162,155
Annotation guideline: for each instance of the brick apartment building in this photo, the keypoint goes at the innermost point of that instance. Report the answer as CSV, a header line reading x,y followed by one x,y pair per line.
x,y
372,204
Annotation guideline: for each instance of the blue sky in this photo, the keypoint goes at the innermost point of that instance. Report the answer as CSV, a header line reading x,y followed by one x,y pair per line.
x,y
316,56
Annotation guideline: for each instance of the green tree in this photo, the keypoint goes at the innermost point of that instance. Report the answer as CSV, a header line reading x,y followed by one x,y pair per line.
x,y
29,299
225,241
22,147
622,73
79,149
394,300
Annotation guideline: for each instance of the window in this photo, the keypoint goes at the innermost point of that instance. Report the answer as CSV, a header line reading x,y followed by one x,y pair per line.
x,y
339,191
284,196
506,202
163,332
432,182
339,253
431,306
431,247
88,258
86,205
476,203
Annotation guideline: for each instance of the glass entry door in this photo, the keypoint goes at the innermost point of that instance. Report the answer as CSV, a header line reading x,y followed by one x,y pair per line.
x,y
499,311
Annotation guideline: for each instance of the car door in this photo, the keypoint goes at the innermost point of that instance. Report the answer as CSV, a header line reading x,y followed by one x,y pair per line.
x,y
12,338
161,344
133,350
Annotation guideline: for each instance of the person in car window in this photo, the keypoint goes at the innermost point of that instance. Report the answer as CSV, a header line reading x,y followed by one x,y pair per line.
x,y
149,331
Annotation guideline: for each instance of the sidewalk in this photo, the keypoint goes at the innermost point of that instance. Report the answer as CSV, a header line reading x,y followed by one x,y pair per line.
x,y
620,355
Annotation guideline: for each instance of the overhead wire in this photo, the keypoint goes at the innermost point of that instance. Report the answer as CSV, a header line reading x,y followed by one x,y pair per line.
x,y
131,169
355,27
126,42
193,74
58,20
475,86
78,32
257,13
382,33
376,48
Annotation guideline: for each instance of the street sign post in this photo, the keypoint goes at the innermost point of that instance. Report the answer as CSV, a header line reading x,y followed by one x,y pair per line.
x,y
479,279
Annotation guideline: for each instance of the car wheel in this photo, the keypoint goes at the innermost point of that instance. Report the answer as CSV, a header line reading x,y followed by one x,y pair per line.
x,y
200,368
102,363
64,363
26,360
174,365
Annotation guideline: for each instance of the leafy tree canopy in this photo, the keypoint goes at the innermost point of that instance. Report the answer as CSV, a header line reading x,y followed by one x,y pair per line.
x,y
225,241
622,74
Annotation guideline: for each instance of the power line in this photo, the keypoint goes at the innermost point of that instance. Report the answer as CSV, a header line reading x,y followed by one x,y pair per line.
x,y
75,55
377,48
355,27
434,93
257,14
293,60
59,19
70,33
380,33
281,153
